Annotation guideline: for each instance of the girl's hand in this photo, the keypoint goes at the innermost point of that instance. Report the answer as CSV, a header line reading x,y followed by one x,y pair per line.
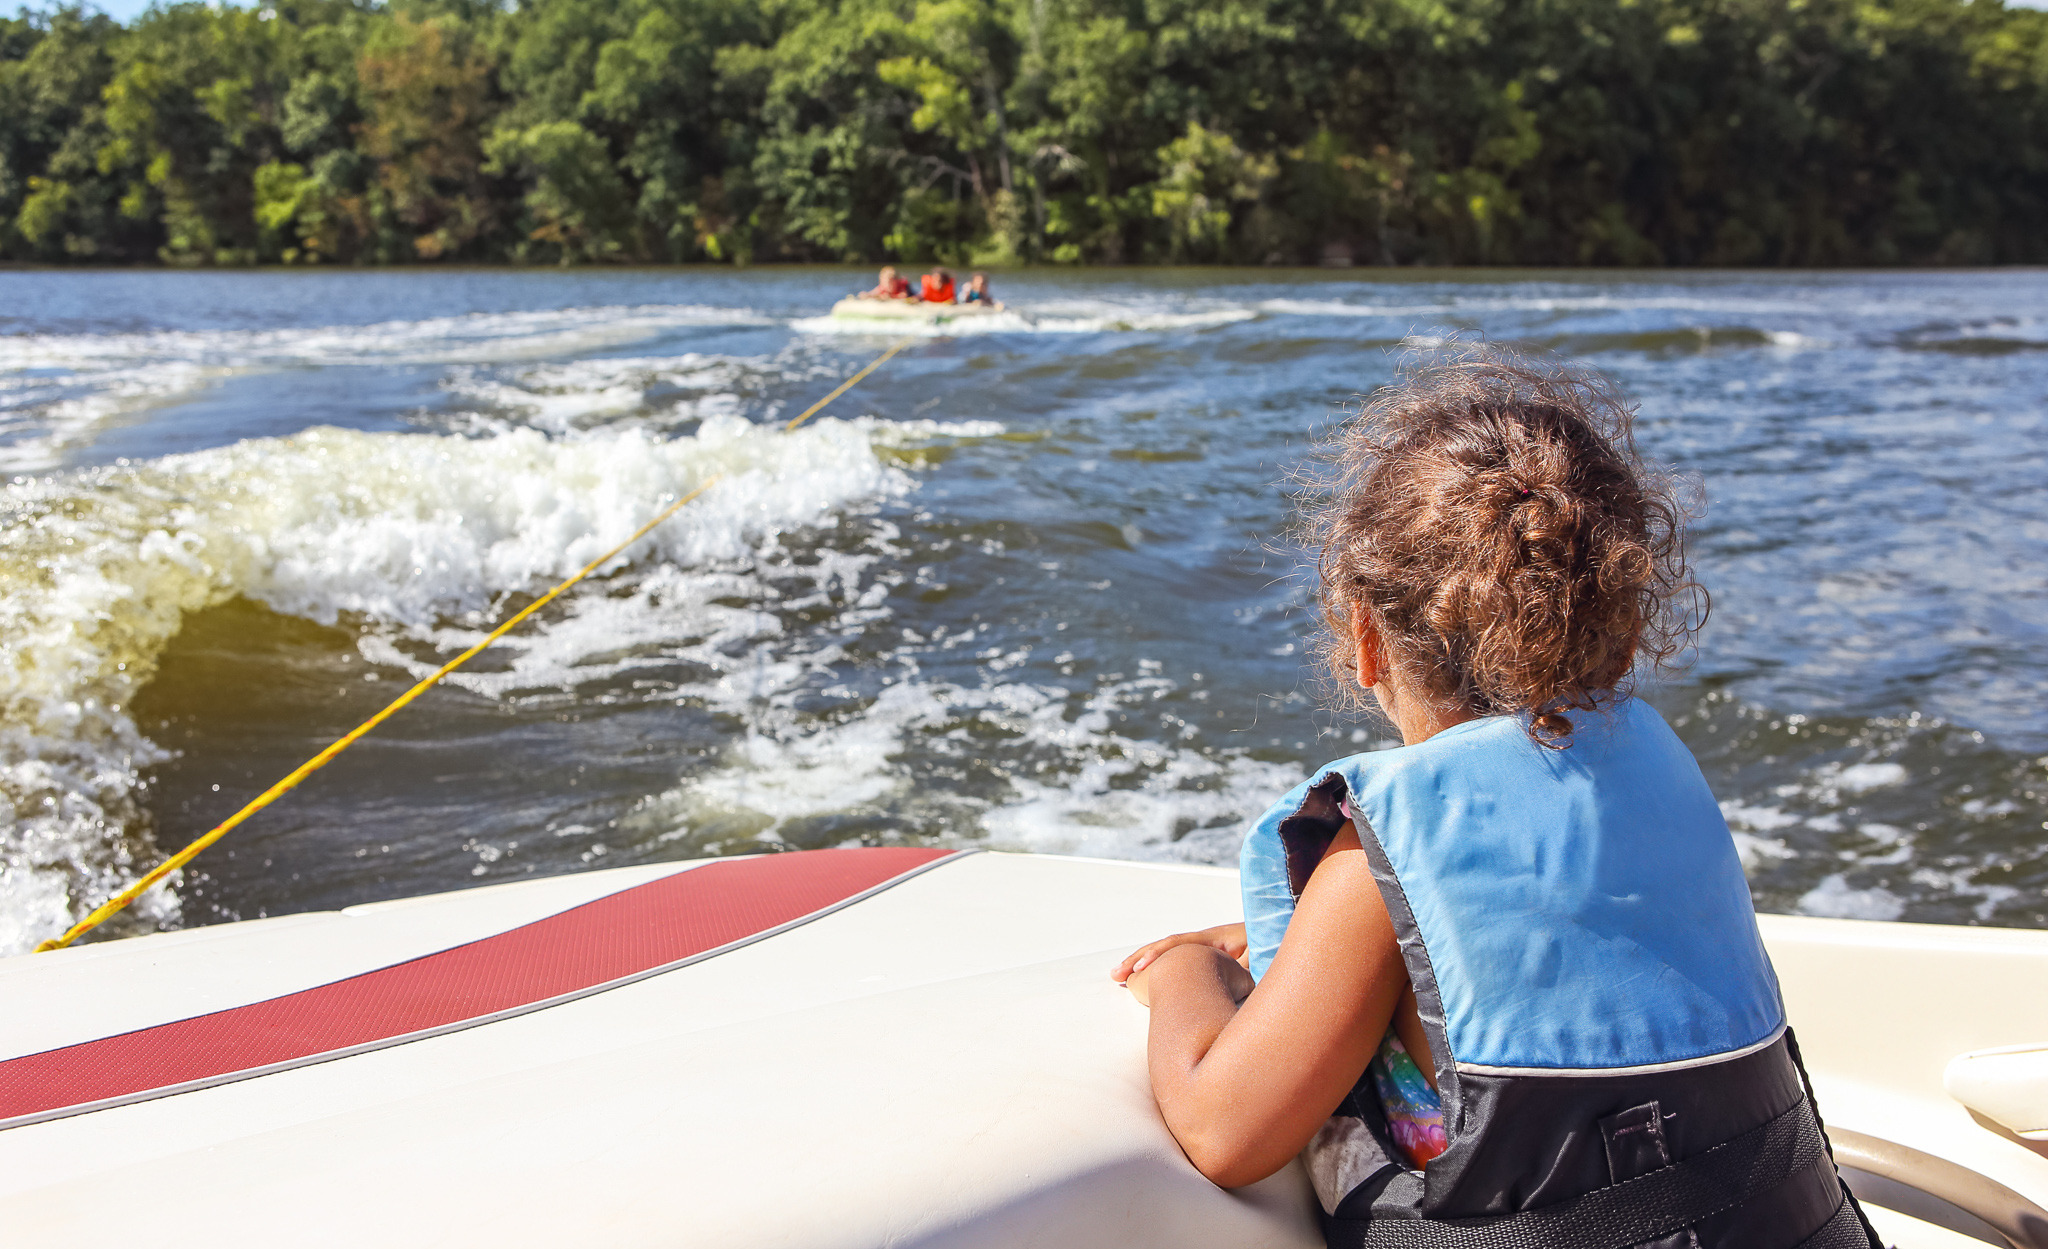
x,y
1228,938
1227,973
1140,986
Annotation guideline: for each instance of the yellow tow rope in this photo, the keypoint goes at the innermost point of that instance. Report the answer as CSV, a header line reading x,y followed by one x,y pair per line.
x,y
850,382
114,905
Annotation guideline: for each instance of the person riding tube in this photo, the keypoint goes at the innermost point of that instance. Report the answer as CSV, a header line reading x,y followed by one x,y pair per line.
x,y
977,293
890,285
937,287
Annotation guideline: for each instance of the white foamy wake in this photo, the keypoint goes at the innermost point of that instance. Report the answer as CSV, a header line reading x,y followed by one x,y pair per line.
x,y
566,395
468,338
806,745
578,393
1090,317
1822,816
1098,316
1073,785
56,389
1834,898
42,416
416,531
1456,303
1131,799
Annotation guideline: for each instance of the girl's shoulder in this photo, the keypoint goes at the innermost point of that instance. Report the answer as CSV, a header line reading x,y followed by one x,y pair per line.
x,y
1622,755
1625,736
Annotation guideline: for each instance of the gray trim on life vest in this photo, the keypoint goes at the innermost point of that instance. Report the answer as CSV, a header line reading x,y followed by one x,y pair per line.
x,y
1304,836
1429,1003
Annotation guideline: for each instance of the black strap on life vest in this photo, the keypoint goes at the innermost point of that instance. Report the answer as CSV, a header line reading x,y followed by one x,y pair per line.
x,y
1632,1212
1849,1201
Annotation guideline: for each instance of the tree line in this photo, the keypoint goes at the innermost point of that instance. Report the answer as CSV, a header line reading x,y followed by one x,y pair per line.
x,y
1568,132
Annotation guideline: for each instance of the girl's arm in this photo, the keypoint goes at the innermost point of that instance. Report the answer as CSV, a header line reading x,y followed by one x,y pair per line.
x,y
1244,1088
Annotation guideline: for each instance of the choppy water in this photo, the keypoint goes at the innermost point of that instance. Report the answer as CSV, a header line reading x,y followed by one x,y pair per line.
x,y
1021,588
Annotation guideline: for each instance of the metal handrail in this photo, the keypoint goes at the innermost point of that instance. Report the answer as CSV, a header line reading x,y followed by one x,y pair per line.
x,y
2023,1224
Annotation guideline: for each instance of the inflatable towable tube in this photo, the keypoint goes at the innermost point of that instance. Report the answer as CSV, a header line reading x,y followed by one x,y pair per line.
x,y
905,311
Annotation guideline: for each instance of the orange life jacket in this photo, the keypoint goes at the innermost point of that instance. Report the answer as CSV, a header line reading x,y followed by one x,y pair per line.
x,y
937,290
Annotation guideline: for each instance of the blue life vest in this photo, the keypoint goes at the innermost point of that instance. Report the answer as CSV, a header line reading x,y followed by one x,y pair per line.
x,y
1588,971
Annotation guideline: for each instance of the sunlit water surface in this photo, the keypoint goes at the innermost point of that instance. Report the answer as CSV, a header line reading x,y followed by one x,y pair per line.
x,y
1026,587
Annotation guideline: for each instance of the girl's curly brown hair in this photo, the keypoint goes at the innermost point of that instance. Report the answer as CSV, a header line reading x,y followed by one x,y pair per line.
x,y
1492,518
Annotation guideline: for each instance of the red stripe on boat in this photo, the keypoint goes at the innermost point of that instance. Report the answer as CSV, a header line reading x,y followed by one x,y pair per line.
x,y
614,938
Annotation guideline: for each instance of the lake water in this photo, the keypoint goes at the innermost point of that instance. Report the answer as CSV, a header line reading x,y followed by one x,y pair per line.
x,y
1025,587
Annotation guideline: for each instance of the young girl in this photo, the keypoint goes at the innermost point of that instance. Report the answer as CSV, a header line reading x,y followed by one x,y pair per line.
x,y
1508,972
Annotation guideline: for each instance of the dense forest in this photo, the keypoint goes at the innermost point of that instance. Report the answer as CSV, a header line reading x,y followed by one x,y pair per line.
x,y
1631,132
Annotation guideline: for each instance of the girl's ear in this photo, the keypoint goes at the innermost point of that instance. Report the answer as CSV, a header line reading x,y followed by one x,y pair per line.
x,y
1367,664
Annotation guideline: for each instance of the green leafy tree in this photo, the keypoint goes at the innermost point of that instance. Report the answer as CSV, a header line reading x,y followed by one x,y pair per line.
x,y
577,206
426,97
54,203
1633,132
955,54
1206,175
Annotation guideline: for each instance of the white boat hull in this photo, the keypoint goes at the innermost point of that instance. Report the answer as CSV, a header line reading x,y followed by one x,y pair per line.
x,y
944,1062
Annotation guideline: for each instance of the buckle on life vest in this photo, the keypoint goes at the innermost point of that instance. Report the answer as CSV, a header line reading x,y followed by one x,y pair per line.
x,y
1633,1212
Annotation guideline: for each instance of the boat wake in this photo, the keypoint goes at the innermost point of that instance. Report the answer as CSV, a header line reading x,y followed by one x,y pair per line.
x,y
765,609
1092,317
57,390
409,533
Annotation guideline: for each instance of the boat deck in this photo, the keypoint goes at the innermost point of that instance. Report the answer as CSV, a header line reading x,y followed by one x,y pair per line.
x,y
944,1061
